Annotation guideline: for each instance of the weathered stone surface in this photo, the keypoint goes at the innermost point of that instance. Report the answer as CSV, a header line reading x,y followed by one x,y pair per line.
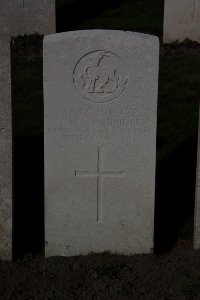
x,y
197,199
5,152
181,20
100,97
19,17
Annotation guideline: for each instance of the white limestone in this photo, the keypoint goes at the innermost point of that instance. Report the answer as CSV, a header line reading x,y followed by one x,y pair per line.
x,y
19,17
5,152
100,98
181,20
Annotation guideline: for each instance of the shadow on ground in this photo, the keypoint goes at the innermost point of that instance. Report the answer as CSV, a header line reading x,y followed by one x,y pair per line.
x,y
175,195
28,213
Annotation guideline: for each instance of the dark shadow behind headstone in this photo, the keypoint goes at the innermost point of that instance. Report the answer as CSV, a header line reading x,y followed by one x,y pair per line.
x,y
175,194
28,212
74,12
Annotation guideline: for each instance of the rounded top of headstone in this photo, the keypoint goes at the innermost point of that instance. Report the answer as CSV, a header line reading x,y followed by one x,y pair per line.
x,y
100,33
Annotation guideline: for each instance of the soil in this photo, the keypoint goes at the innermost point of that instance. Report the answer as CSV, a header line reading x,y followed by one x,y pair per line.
x,y
185,47
175,275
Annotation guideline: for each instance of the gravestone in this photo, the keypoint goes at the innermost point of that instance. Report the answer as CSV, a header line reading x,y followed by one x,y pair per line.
x,y
19,17
197,198
100,98
181,20
5,152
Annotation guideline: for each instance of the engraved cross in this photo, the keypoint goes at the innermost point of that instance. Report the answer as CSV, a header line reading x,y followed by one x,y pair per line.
x,y
99,174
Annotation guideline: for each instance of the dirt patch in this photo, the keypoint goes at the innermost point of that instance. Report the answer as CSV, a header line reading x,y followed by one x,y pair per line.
x,y
104,276
176,48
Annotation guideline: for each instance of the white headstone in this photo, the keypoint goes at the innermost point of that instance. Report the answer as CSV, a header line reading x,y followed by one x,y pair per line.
x,y
181,20
100,97
197,199
5,152
19,17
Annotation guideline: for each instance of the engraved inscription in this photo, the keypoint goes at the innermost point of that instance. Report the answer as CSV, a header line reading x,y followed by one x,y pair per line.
x,y
99,174
100,76
96,125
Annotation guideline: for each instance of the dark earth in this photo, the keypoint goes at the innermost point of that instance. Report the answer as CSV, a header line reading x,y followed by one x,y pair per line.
x,y
104,276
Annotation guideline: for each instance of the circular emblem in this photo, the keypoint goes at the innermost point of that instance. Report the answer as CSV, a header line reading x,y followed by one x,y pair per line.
x,y
100,76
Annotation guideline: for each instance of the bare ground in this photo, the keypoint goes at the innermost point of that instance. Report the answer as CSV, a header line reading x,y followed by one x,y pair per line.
x,y
175,275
